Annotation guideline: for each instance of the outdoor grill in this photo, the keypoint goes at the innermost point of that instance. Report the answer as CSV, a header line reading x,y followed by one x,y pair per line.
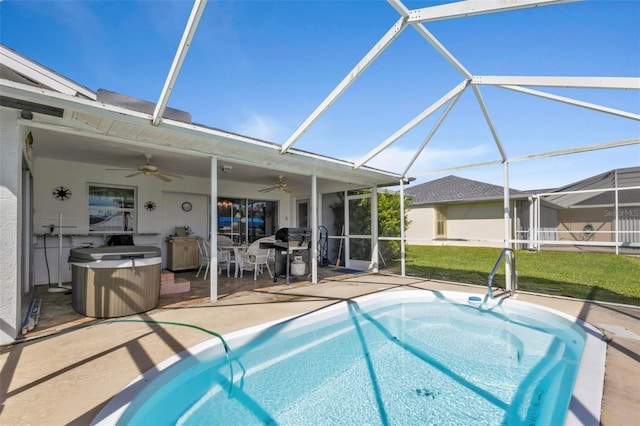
x,y
299,238
290,243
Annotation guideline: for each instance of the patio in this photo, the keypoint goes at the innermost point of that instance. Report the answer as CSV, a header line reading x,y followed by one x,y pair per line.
x,y
57,313
67,377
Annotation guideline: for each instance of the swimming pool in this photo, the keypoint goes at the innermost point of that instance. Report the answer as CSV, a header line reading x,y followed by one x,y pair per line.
x,y
399,357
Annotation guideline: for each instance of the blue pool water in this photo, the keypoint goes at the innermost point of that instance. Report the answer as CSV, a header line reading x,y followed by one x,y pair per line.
x,y
402,359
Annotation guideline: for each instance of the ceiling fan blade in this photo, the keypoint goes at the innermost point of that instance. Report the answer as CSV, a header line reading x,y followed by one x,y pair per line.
x,y
127,170
134,174
287,189
162,177
172,175
267,189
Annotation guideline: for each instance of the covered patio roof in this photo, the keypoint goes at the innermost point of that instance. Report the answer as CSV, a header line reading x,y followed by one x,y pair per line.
x,y
77,125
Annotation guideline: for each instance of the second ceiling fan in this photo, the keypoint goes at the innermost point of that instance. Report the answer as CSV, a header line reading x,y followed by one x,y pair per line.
x,y
280,185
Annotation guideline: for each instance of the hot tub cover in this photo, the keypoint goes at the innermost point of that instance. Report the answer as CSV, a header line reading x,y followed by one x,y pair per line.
x,y
112,253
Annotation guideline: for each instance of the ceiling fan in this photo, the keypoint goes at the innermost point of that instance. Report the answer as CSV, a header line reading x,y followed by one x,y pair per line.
x,y
149,169
278,185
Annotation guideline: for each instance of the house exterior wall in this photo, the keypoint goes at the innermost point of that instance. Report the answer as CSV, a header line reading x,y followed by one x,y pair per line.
x,y
10,245
421,230
476,221
468,224
152,226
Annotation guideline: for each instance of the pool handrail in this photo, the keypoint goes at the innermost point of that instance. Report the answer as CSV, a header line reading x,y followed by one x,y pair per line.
x,y
514,272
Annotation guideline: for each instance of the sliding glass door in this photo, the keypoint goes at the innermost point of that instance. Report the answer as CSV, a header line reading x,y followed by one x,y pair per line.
x,y
245,221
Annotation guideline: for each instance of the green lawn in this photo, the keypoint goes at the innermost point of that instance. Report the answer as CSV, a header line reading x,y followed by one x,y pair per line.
x,y
594,276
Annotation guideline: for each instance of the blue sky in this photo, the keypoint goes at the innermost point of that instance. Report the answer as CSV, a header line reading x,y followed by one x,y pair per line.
x,y
261,67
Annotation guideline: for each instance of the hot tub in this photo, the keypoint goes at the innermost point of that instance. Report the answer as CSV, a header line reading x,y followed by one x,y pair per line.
x,y
115,281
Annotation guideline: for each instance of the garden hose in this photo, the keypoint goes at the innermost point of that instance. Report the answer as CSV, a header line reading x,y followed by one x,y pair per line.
x,y
227,350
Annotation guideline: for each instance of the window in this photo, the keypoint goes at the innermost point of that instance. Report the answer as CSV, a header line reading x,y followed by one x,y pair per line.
x,y
303,214
441,221
112,209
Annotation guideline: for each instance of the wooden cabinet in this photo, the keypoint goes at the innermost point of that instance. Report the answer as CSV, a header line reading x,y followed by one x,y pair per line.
x,y
182,253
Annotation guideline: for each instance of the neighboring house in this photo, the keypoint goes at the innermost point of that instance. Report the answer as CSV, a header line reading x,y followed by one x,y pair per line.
x,y
458,211
587,209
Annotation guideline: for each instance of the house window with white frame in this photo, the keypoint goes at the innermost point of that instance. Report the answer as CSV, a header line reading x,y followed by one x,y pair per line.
x,y
112,209
441,221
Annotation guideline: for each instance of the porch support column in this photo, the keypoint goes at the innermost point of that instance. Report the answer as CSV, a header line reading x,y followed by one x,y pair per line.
x,y
314,229
402,248
345,231
375,243
213,234
507,228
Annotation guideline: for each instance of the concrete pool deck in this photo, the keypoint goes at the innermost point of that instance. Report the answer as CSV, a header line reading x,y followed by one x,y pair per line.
x,y
69,376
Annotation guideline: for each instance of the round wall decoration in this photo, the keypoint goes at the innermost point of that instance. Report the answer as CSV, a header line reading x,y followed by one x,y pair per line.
x,y
150,205
61,193
186,206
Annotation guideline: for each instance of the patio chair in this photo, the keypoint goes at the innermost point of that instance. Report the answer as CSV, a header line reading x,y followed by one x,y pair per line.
x,y
228,255
256,258
205,259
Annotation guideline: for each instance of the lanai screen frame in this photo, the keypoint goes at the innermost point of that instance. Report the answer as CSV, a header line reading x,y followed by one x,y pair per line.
x,y
415,19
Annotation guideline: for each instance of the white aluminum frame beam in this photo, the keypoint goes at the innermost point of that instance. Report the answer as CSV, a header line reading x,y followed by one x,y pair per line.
x,y
178,60
487,118
435,128
413,123
431,39
555,81
346,82
586,148
574,102
464,9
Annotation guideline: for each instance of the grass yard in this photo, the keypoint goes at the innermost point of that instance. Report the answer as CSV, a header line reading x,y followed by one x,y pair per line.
x,y
593,276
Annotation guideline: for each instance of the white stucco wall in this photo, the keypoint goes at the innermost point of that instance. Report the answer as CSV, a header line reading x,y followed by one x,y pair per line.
x,y
10,190
476,223
421,229
152,226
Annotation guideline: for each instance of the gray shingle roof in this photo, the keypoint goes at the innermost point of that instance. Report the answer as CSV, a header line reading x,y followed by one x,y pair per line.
x,y
453,188
623,177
